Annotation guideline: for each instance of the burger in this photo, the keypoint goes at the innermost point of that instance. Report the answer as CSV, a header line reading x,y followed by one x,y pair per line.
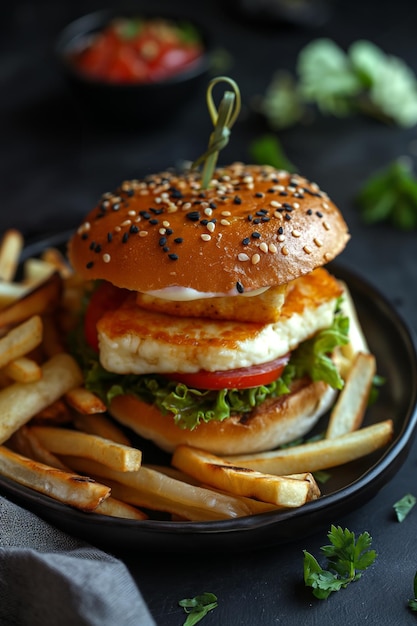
x,y
210,319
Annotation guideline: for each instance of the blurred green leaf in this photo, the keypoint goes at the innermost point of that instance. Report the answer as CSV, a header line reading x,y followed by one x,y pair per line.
x,y
267,150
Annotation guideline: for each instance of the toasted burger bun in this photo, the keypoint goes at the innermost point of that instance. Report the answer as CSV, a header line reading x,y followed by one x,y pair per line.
x,y
255,227
277,421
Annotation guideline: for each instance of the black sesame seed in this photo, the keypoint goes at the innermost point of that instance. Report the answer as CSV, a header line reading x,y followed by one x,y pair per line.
x,y
165,249
261,212
256,235
319,214
280,230
109,237
145,214
240,287
309,212
287,206
271,190
246,241
237,200
213,205
258,194
92,245
134,229
257,220
116,206
287,216
125,237
283,193
265,219
173,257
97,248
153,221
162,241
204,222
157,211
250,218
194,216
90,265
169,231
178,240
176,193
84,236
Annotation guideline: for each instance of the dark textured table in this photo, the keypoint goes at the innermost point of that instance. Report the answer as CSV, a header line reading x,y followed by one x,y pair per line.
x,y
54,166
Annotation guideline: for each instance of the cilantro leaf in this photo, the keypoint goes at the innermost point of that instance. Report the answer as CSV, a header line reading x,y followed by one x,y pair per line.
x,y
413,603
198,607
347,557
403,506
390,195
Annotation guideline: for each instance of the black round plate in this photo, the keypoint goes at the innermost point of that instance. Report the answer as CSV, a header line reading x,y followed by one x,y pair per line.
x,y
349,487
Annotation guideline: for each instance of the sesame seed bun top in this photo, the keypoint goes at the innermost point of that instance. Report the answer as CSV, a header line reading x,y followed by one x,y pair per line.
x,y
254,227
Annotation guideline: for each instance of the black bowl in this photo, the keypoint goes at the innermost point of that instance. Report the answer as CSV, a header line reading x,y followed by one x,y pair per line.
x,y
126,105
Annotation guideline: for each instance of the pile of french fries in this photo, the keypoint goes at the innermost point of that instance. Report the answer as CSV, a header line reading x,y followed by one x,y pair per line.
x,y
56,438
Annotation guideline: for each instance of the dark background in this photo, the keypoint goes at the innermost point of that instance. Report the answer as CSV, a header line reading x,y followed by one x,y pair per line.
x,y
54,165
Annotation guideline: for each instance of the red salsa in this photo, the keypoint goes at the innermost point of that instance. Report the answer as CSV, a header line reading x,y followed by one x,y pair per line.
x,y
136,50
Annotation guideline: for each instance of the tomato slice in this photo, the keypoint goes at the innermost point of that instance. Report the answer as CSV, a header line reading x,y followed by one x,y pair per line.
x,y
240,378
106,297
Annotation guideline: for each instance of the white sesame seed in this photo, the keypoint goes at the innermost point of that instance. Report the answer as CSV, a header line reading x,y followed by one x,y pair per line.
x,y
318,242
117,229
284,250
278,215
326,225
248,179
144,192
143,233
205,237
307,249
296,233
325,206
226,213
186,206
275,204
225,222
281,237
255,258
166,224
131,213
126,223
106,258
272,248
263,247
208,212
296,205
243,257
162,231
211,226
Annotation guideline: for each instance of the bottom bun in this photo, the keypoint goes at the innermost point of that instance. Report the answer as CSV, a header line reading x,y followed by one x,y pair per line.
x,y
275,422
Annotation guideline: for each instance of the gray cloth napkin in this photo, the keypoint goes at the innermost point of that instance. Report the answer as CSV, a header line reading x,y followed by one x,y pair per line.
x,y
48,578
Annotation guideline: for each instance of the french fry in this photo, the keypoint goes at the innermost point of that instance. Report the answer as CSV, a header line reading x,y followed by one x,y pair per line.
x,y
320,455
77,491
56,259
154,490
85,401
10,249
52,340
23,370
10,292
101,425
349,409
75,443
221,474
21,340
58,412
36,271
24,442
21,401
116,508
41,299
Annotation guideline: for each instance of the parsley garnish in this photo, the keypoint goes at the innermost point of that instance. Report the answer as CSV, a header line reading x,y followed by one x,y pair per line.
x,y
198,607
390,195
347,558
403,506
361,80
413,603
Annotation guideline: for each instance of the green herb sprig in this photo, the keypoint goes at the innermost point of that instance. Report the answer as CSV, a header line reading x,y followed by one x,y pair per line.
x,y
347,558
362,80
412,604
198,607
404,506
390,195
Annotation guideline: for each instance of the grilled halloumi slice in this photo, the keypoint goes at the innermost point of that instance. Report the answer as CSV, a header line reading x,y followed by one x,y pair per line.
x,y
135,341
